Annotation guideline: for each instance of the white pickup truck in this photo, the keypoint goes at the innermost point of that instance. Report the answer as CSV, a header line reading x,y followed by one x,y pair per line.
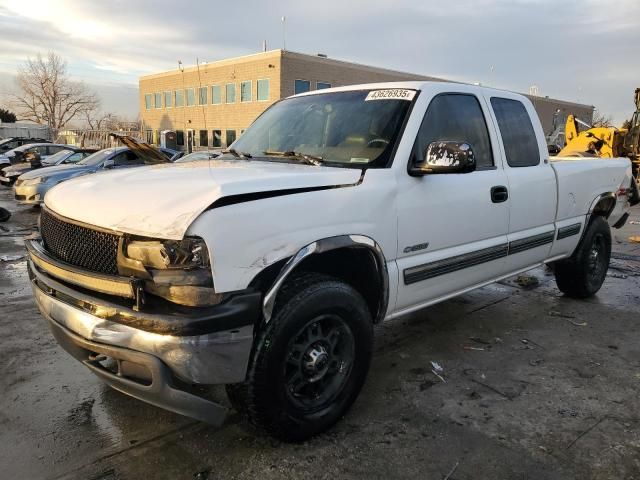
x,y
266,269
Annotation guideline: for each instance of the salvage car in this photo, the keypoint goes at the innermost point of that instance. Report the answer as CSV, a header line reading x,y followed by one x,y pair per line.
x,y
10,143
16,155
69,155
31,187
267,268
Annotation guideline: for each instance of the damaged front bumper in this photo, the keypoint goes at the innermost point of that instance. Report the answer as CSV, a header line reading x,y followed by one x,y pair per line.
x,y
149,354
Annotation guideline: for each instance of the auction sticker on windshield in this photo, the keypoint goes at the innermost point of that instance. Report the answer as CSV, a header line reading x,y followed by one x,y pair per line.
x,y
391,94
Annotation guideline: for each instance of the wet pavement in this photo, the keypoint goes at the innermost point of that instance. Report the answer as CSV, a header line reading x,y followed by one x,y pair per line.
x,y
534,385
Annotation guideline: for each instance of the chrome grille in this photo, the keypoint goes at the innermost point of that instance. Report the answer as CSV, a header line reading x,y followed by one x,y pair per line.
x,y
80,246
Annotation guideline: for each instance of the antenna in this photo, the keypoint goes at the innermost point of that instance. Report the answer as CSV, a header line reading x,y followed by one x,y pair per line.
x,y
284,32
204,116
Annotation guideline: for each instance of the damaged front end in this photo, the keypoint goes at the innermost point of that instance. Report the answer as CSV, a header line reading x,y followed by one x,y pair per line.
x,y
147,306
127,266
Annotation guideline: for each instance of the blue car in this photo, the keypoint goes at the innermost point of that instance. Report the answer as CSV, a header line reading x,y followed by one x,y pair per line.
x,y
31,187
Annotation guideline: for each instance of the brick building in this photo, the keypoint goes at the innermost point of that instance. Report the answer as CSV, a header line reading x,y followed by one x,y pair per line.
x,y
211,104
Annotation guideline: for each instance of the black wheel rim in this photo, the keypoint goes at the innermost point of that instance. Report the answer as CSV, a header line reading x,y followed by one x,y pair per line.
x,y
318,363
596,261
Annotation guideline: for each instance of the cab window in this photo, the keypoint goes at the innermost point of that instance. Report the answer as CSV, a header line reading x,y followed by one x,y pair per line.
x,y
518,136
455,117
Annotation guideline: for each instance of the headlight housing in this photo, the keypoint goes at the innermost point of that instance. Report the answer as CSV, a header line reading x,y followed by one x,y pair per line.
x,y
35,181
188,253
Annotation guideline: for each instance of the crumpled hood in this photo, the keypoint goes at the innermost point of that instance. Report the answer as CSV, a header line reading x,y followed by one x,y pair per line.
x,y
17,169
163,200
56,170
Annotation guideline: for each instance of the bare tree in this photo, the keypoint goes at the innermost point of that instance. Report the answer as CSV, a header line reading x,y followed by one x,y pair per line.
x,y
601,120
100,120
47,96
626,124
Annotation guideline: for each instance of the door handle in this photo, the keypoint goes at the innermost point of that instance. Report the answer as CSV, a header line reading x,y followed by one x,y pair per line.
x,y
499,194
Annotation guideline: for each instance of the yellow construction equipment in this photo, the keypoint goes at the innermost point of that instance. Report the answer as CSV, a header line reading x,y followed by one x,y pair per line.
x,y
604,142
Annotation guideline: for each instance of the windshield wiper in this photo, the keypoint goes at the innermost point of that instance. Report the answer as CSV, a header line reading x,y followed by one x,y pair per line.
x,y
310,159
237,154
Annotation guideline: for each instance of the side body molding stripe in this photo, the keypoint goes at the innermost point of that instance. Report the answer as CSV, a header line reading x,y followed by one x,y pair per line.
x,y
460,262
569,231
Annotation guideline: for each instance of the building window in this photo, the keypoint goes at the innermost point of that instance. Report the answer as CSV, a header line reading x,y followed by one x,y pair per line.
x,y
322,85
180,138
217,138
179,98
147,101
302,86
231,92
149,136
216,95
231,137
191,97
204,138
167,99
202,96
158,100
245,91
263,90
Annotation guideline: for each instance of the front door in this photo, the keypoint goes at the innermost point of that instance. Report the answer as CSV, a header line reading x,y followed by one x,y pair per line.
x,y
452,232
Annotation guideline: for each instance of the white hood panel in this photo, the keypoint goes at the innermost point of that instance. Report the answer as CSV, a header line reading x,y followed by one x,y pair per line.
x,y
163,200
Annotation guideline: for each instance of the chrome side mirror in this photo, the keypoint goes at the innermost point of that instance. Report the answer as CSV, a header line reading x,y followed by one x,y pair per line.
x,y
445,157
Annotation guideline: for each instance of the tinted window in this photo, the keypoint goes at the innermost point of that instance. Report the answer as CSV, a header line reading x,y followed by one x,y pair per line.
x,y
52,150
179,137
458,118
204,138
217,138
126,158
231,137
302,86
518,137
76,157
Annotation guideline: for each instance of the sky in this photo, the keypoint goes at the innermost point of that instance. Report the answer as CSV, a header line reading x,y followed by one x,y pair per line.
x,y
578,50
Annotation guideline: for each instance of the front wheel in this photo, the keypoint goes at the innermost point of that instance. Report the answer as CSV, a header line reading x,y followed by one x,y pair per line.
x,y
311,359
582,275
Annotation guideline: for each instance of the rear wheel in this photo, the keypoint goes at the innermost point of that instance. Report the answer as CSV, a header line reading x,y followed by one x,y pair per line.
x,y
310,360
583,274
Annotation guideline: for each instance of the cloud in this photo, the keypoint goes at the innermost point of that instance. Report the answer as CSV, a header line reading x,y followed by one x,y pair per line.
x,y
574,50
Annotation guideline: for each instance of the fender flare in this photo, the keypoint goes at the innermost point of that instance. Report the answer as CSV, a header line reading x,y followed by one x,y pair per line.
x,y
603,196
325,245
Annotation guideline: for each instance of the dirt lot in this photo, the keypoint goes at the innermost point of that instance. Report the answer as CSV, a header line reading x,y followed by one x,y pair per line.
x,y
535,386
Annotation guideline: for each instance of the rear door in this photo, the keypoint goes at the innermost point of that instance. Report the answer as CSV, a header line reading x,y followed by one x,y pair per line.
x,y
451,233
532,182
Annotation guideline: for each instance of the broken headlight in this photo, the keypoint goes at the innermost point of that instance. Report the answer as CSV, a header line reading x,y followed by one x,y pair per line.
x,y
188,253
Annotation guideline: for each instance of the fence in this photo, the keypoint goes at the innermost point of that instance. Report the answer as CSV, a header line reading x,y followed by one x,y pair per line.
x,y
24,130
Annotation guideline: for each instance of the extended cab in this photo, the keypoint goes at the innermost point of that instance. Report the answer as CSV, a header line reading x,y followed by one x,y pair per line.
x,y
266,268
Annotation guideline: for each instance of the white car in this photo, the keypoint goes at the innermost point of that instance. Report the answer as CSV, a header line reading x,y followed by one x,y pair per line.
x,y
266,268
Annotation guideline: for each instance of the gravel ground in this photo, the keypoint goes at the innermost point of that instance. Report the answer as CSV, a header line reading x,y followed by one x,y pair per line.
x,y
535,386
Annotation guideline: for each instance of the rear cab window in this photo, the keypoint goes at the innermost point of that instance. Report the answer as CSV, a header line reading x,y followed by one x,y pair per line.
x,y
518,137
455,117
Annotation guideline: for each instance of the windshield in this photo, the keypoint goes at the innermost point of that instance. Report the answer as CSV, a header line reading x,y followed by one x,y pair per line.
x,y
97,157
197,156
352,128
57,157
